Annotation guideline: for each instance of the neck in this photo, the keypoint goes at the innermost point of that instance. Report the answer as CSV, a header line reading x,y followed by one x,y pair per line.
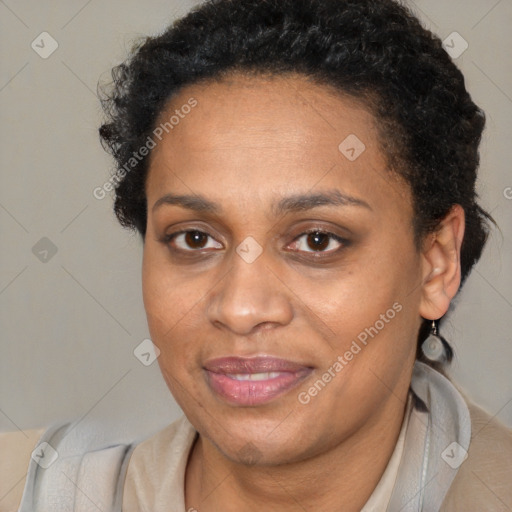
x,y
341,479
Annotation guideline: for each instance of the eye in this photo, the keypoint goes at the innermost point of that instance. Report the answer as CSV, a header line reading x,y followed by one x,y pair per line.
x,y
192,240
317,242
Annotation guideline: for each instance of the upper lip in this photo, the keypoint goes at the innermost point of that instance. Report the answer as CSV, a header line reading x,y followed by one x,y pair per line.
x,y
259,364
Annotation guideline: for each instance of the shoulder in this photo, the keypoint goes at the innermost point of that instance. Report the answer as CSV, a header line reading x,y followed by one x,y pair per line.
x,y
483,481
157,466
47,466
15,454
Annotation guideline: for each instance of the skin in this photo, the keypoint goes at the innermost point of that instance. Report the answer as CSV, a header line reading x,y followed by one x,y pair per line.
x,y
249,143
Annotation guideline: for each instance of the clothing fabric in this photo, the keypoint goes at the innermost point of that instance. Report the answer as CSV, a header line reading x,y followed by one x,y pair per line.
x,y
447,458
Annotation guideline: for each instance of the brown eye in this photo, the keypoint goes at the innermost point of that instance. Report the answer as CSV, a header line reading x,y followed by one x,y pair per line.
x,y
192,240
318,241
196,239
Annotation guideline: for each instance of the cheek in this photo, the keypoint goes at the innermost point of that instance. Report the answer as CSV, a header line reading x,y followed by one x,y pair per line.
x,y
370,309
174,304
355,297
167,294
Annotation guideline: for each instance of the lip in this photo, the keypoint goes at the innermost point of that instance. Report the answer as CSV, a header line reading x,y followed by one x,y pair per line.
x,y
223,376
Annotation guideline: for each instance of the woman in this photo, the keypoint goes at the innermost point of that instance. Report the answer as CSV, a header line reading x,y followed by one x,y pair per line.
x,y
303,175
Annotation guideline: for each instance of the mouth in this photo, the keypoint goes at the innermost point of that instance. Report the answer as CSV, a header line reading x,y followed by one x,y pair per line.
x,y
255,380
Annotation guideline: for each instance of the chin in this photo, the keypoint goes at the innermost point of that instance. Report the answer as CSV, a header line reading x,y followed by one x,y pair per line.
x,y
262,442
257,453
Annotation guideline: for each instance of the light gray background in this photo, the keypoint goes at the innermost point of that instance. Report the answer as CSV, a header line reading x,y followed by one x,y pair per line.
x,y
69,325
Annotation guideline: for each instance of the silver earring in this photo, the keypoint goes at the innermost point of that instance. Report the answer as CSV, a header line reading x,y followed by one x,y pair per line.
x,y
432,347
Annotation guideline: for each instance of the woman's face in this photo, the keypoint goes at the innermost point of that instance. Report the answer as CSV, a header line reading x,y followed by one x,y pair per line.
x,y
281,280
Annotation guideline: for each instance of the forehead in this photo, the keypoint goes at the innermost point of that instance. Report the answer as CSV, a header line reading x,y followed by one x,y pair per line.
x,y
253,135
274,111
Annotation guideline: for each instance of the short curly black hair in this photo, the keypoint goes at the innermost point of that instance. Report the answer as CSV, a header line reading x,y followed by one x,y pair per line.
x,y
373,50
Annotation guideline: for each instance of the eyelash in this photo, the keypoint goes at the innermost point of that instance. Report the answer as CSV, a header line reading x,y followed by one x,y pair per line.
x,y
342,241
167,239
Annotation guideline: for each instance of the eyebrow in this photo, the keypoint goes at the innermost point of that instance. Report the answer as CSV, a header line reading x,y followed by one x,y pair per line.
x,y
301,202
196,203
294,203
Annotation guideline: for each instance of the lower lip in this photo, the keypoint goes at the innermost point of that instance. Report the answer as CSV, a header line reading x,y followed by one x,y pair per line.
x,y
246,392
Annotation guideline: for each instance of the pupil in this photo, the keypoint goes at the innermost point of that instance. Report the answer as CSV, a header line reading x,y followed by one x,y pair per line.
x,y
318,241
195,239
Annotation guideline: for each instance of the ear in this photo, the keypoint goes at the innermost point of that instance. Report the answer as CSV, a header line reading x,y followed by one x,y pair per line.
x,y
441,265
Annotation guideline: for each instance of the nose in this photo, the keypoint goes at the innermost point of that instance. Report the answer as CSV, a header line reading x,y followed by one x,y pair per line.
x,y
251,297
